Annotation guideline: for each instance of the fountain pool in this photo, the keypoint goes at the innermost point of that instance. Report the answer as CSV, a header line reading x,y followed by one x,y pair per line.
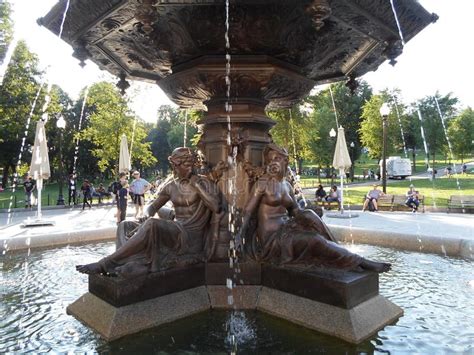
x,y
436,293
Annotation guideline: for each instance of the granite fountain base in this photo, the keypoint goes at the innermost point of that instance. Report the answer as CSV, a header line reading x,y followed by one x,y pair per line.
x,y
346,305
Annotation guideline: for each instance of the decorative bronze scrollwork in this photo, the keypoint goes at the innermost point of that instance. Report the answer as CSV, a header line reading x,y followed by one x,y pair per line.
x,y
319,11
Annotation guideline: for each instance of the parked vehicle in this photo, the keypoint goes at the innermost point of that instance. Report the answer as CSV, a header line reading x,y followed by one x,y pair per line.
x,y
397,167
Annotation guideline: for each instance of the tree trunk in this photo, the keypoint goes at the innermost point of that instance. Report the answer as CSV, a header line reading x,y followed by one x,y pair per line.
x,y
5,176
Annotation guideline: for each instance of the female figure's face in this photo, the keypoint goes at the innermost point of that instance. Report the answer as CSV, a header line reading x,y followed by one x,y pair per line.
x,y
277,163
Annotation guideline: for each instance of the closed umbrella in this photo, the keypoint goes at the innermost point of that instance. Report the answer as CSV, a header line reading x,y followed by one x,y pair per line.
x,y
342,160
39,168
124,159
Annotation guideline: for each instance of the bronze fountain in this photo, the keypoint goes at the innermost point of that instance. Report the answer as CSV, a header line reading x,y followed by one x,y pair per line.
x,y
279,50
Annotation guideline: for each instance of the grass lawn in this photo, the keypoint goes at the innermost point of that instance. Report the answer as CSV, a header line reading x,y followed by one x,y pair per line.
x,y
365,163
437,191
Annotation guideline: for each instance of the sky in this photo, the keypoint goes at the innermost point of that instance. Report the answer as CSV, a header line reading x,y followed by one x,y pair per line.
x,y
437,59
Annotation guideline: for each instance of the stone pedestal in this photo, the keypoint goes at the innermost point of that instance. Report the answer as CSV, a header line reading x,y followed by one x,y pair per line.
x,y
353,325
249,127
342,304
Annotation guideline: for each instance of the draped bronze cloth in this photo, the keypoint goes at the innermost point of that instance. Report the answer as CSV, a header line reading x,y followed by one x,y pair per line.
x,y
167,243
293,245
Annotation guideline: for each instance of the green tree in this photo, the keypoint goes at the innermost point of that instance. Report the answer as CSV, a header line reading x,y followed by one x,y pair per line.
x,y
291,131
6,28
371,125
60,105
168,133
461,133
348,109
108,117
431,121
178,121
17,95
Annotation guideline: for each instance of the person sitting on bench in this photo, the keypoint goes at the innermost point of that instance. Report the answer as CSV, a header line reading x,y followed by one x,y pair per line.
x,y
334,195
413,200
372,198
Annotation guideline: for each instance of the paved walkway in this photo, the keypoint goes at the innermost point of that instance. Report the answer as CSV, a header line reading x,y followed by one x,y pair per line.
x,y
439,233
70,226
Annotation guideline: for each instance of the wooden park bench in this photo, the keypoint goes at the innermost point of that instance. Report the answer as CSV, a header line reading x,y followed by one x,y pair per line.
x,y
325,204
384,202
461,202
399,203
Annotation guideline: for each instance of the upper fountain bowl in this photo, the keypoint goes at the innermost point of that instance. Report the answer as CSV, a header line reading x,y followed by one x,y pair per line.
x,y
321,40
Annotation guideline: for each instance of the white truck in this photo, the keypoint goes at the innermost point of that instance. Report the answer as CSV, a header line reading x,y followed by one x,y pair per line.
x,y
397,167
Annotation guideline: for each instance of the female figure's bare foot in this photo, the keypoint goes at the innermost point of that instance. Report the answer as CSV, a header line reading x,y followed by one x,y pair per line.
x,y
90,269
375,266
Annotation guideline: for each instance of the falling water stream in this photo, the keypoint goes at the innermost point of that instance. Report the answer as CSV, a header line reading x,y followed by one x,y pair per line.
x,y
441,116
237,321
22,147
79,127
427,161
185,135
405,150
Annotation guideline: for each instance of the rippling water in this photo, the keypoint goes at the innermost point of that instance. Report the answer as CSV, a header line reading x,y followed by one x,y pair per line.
x,y
436,293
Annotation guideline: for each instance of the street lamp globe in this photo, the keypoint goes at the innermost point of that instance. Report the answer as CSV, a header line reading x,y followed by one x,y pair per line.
x,y
384,110
332,133
61,122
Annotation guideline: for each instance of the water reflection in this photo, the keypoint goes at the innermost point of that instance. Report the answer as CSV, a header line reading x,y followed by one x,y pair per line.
x,y
436,293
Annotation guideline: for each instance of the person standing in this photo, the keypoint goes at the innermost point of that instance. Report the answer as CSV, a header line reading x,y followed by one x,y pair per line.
x,y
138,187
29,186
72,190
122,199
87,193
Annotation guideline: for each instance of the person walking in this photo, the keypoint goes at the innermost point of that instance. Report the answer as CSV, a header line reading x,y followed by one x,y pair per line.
x,y
139,187
29,186
122,199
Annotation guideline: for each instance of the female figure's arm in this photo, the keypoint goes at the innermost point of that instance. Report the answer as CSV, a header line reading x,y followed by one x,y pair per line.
x,y
249,210
294,209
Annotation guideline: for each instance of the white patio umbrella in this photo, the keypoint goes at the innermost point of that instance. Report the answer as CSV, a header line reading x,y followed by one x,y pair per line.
x,y
342,160
39,168
124,159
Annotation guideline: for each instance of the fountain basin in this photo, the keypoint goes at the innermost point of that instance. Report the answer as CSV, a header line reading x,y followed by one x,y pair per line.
x,y
436,293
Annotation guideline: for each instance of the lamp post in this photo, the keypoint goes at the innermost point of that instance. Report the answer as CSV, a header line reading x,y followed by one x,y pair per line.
x,y
352,145
384,111
332,135
60,124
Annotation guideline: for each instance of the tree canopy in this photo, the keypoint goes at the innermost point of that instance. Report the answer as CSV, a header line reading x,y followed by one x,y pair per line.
x,y
107,118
